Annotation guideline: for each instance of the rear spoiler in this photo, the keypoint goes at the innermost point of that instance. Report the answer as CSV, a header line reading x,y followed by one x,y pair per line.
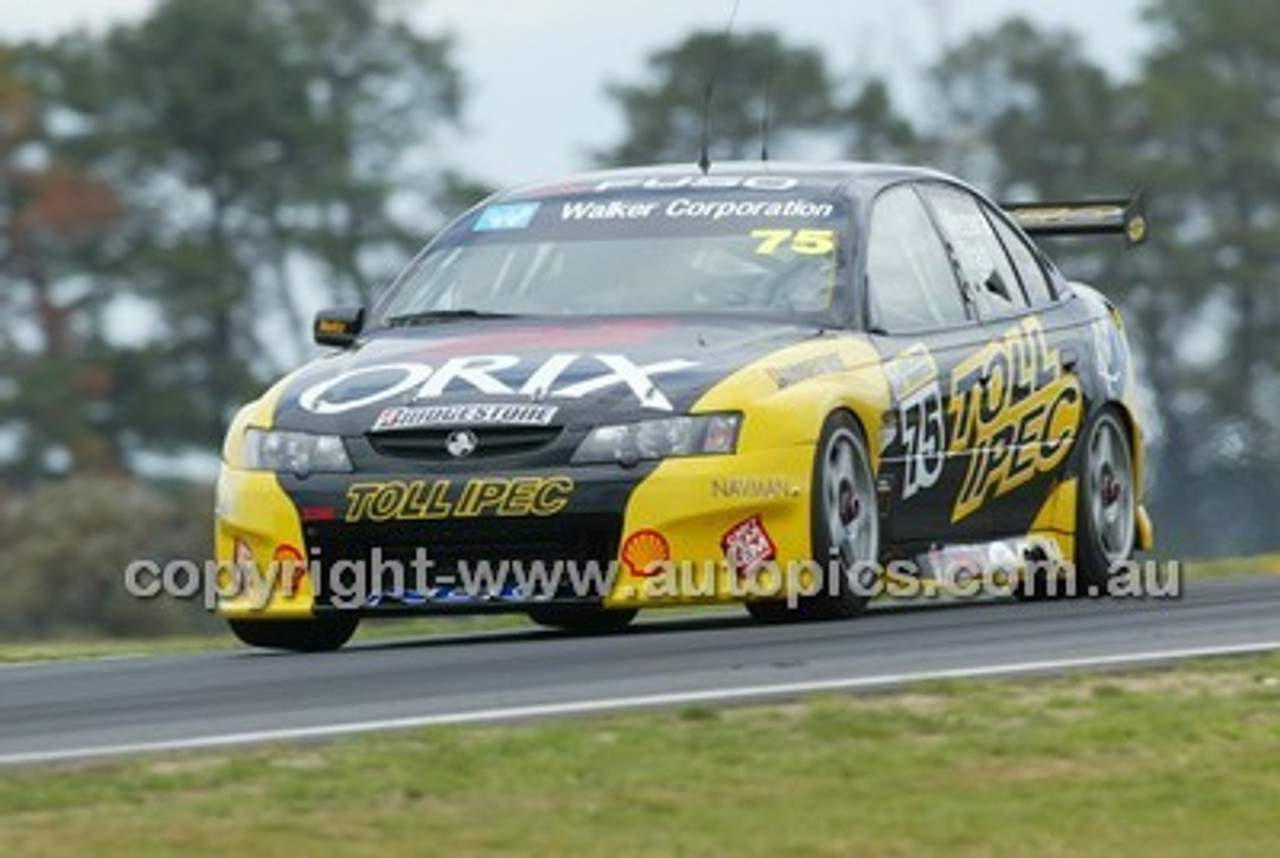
x,y
1126,217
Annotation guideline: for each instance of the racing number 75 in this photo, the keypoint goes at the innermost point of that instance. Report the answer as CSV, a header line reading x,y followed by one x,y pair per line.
x,y
924,434
803,242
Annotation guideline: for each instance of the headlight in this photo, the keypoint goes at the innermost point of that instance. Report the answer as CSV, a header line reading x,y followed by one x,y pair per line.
x,y
630,443
298,452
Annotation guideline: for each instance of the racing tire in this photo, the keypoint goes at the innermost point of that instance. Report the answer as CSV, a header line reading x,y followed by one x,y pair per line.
x,y
582,619
319,634
844,525
1106,503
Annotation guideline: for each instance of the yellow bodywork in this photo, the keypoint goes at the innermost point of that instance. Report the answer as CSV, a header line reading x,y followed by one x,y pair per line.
x,y
775,451
253,509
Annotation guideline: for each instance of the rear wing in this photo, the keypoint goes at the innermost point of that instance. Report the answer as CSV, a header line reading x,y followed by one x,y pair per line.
x,y
1125,217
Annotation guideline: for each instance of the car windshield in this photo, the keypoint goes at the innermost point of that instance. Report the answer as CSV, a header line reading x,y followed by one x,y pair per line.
x,y
775,253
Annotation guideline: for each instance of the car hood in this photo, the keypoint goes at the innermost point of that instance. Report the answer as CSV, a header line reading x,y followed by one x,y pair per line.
x,y
519,371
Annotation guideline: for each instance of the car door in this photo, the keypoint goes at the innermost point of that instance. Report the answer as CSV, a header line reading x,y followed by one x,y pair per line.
x,y
1015,402
923,327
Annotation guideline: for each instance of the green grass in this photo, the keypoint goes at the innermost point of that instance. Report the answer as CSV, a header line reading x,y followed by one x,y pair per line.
x,y
1222,568
1169,762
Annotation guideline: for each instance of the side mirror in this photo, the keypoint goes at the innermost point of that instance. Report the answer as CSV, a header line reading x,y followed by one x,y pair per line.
x,y
338,326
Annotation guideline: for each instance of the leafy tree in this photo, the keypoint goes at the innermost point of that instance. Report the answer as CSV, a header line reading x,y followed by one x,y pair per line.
x,y
874,129
52,218
1210,119
270,156
1023,110
665,114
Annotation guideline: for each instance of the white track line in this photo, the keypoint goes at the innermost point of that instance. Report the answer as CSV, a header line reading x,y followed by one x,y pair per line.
x,y
581,707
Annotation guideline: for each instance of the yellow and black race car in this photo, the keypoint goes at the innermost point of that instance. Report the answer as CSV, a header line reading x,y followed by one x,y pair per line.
x,y
775,384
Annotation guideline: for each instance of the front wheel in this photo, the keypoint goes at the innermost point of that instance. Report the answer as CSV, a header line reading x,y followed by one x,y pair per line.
x,y
844,528
1106,505
318,634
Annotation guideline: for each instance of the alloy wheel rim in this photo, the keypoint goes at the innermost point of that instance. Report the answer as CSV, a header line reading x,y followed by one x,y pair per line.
x,y
1110,489
849,500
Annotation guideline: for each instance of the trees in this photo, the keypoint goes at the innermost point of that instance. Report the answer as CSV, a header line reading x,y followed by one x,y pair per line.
x,y
283,131
1024,111
1210,119
256,160
665,115
873,129
53,218
809,112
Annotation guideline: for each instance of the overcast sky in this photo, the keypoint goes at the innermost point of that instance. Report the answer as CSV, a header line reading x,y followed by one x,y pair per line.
x,y
537,69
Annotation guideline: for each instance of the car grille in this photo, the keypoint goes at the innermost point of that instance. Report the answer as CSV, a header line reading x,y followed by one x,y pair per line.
x,y
427,445
449,545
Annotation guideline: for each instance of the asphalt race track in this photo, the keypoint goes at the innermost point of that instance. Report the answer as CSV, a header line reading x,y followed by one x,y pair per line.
x,y
60,711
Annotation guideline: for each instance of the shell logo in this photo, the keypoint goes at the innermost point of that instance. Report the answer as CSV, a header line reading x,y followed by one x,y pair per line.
x,y
642,550
291,567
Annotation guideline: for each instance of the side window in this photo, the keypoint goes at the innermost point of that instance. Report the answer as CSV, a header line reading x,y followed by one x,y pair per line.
x,y
1025,260
911,283
986,268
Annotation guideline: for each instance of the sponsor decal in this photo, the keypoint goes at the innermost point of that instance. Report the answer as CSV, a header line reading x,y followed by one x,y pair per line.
x,y
686,207
331,326
747,546
238,579
953,562
1004,560
754,488
721,209
668,183
287,554
644,552
360,388
422,500
466,414
1015,410
506,216
292,565
615,210
913,375
793,374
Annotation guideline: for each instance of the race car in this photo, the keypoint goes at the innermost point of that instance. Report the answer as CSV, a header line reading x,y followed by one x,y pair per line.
x,y
775,384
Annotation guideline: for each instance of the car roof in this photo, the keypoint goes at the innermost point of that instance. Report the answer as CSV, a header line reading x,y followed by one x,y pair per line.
x,y
814,176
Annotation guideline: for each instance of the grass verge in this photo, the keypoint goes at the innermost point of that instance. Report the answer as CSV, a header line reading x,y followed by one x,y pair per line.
x,y
1170,762
1268,564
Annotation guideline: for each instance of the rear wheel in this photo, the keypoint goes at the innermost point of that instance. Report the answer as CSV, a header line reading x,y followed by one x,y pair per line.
x,y
582,619
844,528
318,634
1106,504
